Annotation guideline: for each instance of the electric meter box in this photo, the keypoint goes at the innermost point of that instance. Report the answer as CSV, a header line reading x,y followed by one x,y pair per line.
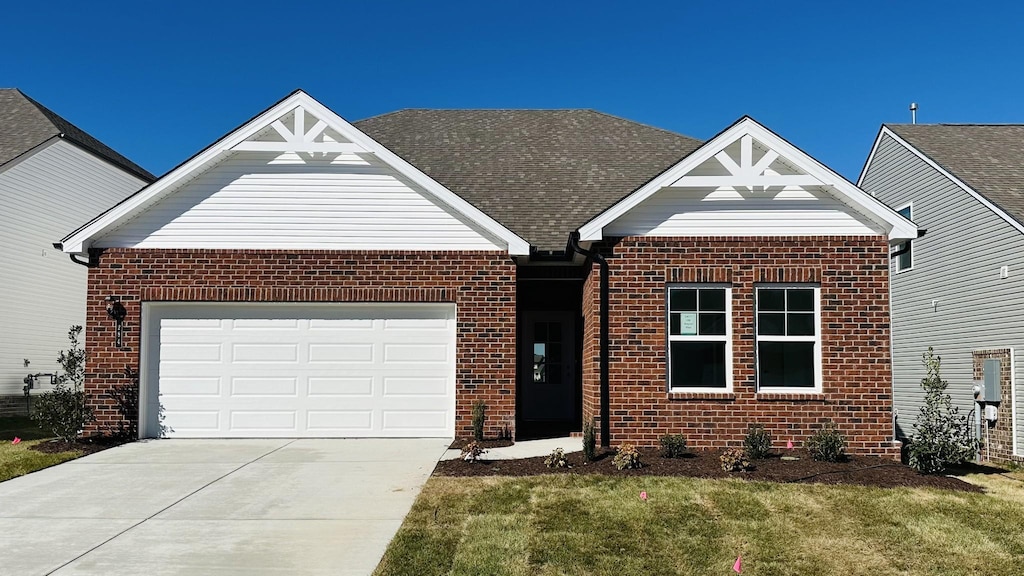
x,y
992,391
991,413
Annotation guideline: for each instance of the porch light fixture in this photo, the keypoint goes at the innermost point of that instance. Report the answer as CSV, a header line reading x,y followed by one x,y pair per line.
x,y
117,313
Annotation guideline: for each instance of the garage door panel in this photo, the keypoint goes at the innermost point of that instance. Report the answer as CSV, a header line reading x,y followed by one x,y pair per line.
x,y
190,386
264,420
320,387
341,353
267,386
191,352
196,422
265,353
415,386
344,421
279,370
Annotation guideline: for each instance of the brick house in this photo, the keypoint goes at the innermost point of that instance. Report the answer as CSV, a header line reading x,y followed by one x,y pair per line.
x,y
304,276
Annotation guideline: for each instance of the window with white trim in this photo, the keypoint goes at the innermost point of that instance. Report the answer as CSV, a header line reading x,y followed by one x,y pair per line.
x,y
699,329
905,258
788,338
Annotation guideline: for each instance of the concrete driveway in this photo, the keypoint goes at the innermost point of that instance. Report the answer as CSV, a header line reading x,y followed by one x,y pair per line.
x,y
215,507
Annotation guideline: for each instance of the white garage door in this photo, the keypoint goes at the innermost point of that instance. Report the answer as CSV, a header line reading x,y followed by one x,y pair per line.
x,y
300,371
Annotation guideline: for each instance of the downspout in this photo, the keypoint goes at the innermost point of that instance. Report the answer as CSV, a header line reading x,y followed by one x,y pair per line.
x,y
605,275
91,263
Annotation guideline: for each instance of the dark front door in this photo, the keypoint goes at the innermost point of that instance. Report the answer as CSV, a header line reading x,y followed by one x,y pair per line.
x,y
547,371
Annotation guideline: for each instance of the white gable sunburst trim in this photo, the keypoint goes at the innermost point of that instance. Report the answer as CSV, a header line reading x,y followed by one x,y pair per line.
x,y
296,139
750,174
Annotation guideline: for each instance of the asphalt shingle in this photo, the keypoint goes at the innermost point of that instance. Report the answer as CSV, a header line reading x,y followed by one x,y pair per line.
x,y
987,157
25,124
541,173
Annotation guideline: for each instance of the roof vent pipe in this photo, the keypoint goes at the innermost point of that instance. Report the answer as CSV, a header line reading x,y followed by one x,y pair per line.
x,y
913,112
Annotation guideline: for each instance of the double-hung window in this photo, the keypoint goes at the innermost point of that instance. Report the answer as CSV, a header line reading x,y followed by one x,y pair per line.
x,y
699,351
788,338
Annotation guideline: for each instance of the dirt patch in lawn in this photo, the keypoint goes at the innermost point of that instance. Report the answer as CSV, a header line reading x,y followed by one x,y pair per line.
x,y
89,445
860,470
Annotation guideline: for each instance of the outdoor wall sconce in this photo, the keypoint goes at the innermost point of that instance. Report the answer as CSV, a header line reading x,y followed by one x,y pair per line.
x,y
117,312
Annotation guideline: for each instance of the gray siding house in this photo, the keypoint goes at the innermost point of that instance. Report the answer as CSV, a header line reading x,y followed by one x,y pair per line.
x,y
960,287
53,178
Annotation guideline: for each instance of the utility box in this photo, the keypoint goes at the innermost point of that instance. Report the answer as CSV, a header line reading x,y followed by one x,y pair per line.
x,y
992,390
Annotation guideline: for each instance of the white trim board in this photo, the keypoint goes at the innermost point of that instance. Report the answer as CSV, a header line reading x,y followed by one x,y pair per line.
x,y
885,131
79,241
814,173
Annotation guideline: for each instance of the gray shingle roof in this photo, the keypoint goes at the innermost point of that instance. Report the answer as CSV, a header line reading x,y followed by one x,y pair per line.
x,y
987,157
541,173
25,124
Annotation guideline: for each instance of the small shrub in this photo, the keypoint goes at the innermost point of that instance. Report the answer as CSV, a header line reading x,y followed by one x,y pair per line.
x,y
827,444
734,460
589,441
479,417
758,442
673,446
627,457
473,452
942,437
126,401
64,411
556,459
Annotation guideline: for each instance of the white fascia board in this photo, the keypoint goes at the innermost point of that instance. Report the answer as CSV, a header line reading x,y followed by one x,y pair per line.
x,y
898,228
885,131
79,241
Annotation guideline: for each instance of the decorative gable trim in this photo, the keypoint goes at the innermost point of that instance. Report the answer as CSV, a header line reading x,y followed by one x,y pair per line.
x,y
267,133
748,173
885,131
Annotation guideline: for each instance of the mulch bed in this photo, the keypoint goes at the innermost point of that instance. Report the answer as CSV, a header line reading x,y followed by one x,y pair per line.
x,y
89,445
860,470
460,443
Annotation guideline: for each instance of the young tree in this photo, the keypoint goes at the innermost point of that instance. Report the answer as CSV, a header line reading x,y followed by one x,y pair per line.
x,y
64,410
943,436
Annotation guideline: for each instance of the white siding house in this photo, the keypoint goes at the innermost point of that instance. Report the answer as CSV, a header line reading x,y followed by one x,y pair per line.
x,y
960,289
53,178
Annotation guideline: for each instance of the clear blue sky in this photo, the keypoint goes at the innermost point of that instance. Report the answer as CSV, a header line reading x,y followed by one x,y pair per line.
x,y
159,81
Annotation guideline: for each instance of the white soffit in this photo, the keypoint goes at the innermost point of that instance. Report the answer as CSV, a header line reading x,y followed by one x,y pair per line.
x,y
316,130
734,151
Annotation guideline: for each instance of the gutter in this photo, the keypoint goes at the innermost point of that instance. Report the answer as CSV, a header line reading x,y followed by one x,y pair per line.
x,y
91,263
605,275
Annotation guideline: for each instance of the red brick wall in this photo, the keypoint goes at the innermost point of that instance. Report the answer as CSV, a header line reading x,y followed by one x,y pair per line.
x,y
998,439
481,284
853,273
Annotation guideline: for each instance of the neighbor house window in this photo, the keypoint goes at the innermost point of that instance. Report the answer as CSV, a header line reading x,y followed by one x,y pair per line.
x,y
904,251
699,354
788,338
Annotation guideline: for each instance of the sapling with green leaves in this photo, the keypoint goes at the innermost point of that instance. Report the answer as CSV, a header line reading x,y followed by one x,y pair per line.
x,y
943,437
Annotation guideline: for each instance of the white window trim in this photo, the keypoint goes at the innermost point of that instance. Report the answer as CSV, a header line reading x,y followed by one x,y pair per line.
x,y
727,338
816,339
913,248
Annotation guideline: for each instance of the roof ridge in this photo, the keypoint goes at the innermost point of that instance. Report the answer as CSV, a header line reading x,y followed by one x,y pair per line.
x,y
69,131
930,124
645,125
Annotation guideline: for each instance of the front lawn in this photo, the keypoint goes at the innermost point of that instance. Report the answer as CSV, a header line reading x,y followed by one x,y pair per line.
x,y
595,524
19,459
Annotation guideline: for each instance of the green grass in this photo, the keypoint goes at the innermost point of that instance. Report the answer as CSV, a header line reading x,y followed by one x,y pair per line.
x,y
17,459
597,525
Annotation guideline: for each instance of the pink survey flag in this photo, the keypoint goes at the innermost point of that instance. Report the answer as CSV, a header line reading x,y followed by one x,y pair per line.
x,y
789,444
738,566
643,495
16,440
